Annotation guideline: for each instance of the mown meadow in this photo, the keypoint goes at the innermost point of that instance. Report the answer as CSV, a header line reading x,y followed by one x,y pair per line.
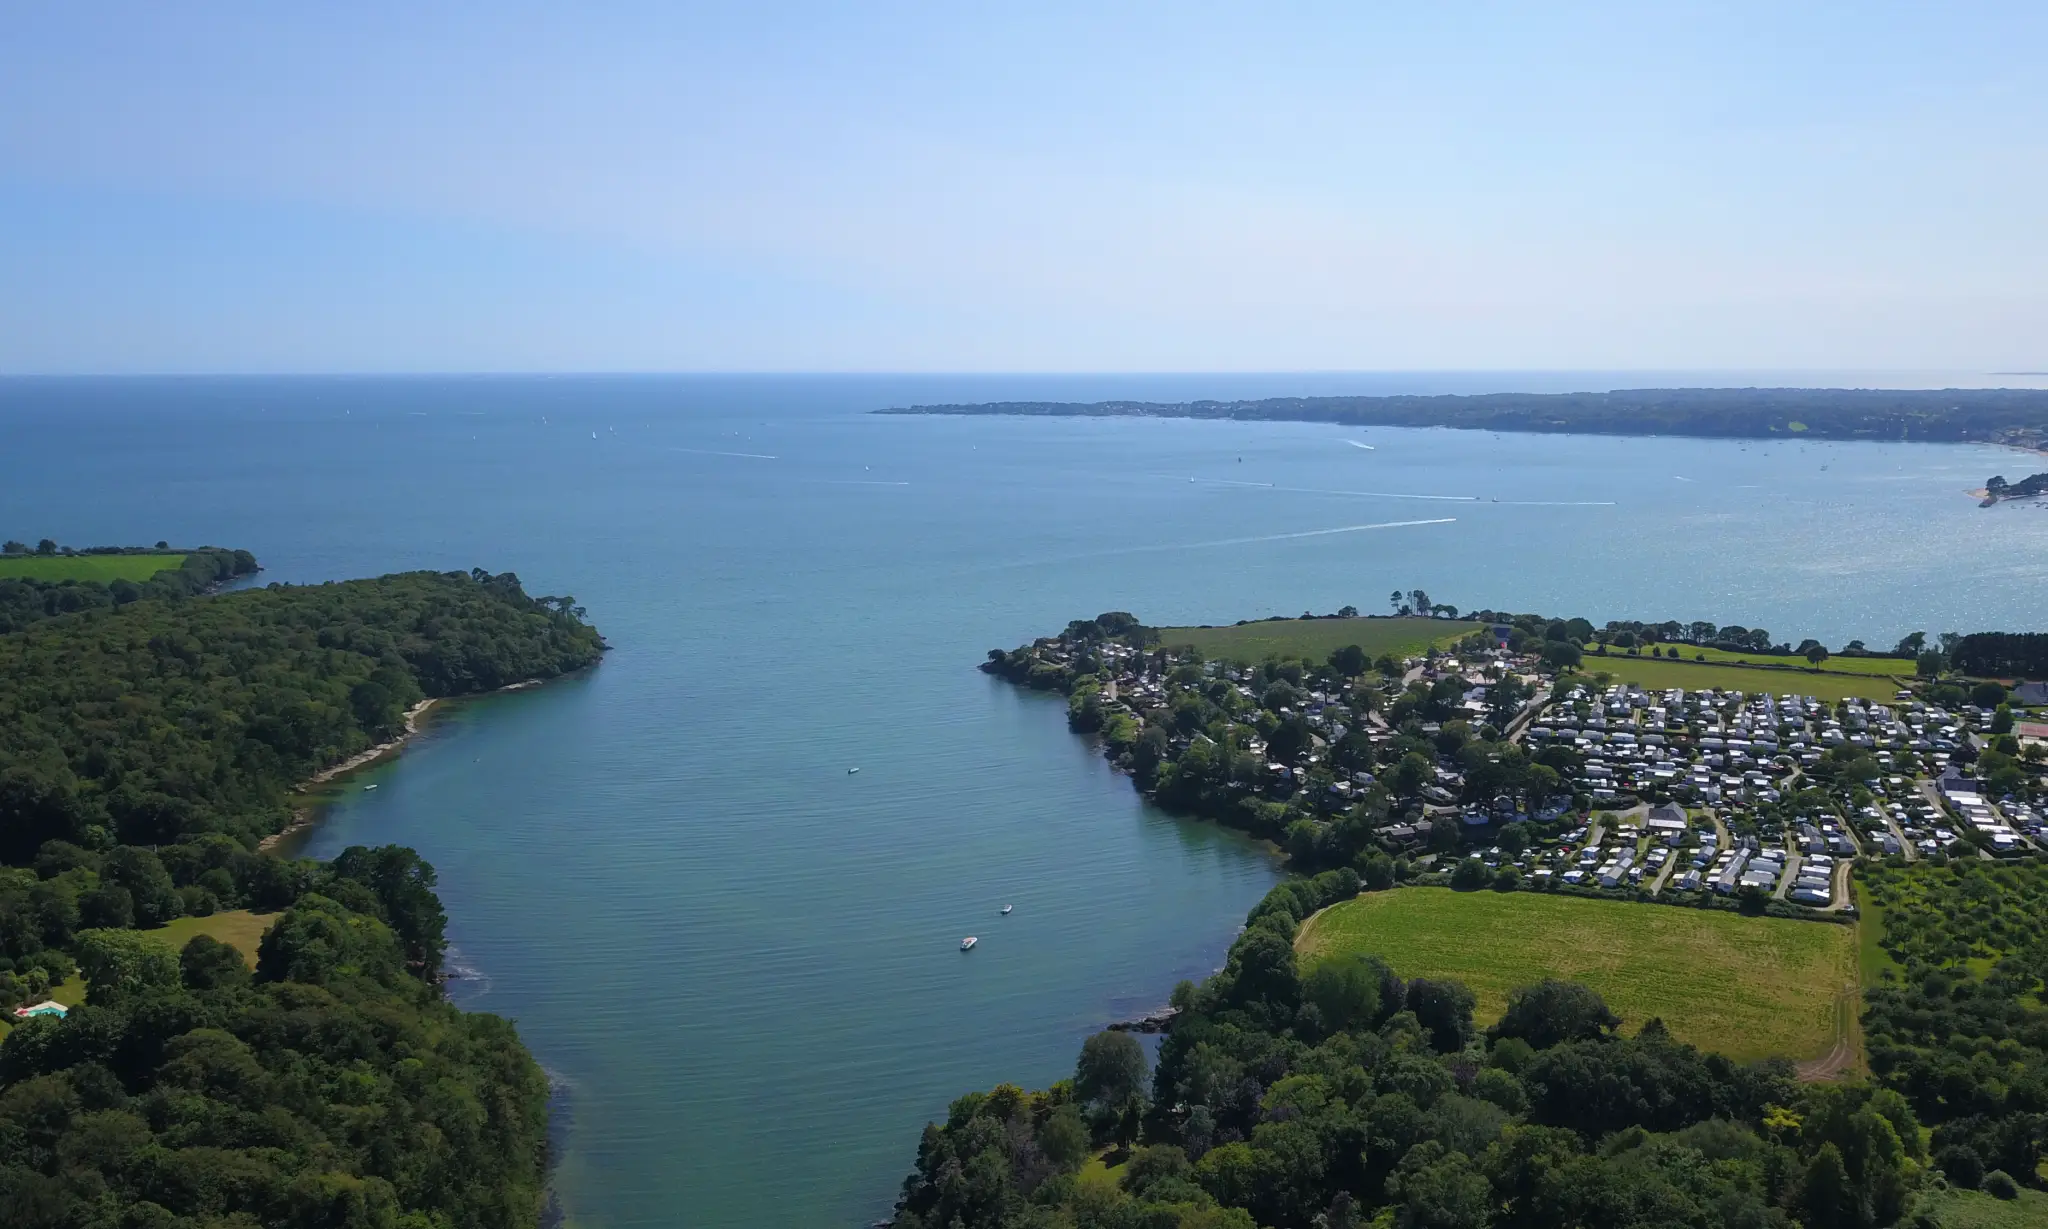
x,y
102,568
1663,673
1747,987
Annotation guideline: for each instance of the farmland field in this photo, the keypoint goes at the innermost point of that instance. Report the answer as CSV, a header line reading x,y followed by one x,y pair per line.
x,y
1662,673
1882,667
102,568
1931,915
1748,987
1318,638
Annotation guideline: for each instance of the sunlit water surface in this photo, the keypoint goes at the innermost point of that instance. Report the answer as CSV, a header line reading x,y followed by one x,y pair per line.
x,y
740,959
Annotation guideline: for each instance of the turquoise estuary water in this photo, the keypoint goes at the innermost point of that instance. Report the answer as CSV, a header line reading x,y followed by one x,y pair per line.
x,y
740,960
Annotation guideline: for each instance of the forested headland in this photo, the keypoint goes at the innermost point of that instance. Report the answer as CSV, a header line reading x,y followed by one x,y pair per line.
x,y
2004,415
1313,1087
1342,1095
146,747
332,1087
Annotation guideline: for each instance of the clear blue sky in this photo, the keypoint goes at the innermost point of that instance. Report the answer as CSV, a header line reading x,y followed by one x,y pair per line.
x,y
393,187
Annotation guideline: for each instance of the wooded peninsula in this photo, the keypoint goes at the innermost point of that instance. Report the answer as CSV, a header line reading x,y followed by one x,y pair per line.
x,y
2017,416
1466,1009
311,1073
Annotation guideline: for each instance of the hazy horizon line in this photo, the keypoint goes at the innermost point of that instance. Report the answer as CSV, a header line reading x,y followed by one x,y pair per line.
x,y
937,373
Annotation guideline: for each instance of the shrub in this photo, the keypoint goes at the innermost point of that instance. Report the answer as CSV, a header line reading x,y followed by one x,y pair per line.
x,y
1961,1165
1999,1184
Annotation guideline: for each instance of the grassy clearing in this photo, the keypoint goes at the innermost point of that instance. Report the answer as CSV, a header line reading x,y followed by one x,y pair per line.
x,y
1877,667
1097,1171
102,568
1663,673
1294,639
1871,958
1746,987
1958,1209
239,927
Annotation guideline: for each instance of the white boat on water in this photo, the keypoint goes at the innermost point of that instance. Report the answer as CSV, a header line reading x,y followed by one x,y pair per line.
x,y
967,944
851,771
1007,908
368,788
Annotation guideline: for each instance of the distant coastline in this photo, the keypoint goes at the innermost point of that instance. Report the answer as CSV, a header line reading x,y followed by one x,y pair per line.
x,y
2012,416
1998,490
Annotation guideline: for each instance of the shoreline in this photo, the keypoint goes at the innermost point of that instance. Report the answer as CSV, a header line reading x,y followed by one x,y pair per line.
x,y
305,817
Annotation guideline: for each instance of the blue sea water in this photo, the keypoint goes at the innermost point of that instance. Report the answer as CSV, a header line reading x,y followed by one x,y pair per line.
x,y
742,961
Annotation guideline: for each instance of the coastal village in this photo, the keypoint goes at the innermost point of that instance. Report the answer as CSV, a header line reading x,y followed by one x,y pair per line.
x,y
1495,759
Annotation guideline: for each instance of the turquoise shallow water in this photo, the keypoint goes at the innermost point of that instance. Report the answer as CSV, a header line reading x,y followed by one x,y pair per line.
x,y
742,961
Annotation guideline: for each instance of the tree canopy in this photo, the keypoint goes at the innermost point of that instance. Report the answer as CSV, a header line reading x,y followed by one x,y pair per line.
x,y
334,1088
162,720
1348,1096
147,743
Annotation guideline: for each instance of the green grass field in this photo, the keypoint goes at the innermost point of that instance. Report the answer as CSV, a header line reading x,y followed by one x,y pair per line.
x,y
239,927
102,568
1871,958
1293,639
1662,672
1748,987
1959,1209
1880,667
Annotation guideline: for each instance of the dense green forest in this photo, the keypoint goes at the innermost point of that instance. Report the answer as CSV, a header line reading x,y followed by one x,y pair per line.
x,y
156,722
1345,1096
146,745
2003,654
146,748
25,600
332,1089
2011,414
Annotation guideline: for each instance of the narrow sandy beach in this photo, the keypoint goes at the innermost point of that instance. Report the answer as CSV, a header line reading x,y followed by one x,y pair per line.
x,y
303,818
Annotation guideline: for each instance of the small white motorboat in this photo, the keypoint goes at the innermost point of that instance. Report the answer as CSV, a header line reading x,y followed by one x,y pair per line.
x,y
967,944
368,788
851,771
1007,908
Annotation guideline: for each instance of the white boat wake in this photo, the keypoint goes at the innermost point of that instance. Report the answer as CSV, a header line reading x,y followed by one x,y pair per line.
x,y
712,452
1306,533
